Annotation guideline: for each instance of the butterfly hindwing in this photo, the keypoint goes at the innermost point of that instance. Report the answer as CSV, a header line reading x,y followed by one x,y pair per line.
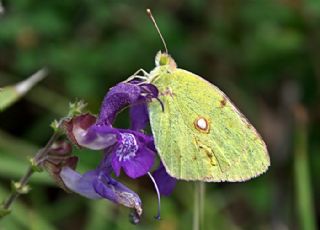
x,y
201,135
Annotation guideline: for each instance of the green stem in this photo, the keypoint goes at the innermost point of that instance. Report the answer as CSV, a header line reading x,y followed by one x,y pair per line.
x,y
202,194
14,194
196,207
198,213
303,188
25,179
21,187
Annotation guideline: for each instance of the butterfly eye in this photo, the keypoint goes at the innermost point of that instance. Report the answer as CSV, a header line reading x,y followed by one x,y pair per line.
x,y
202,124
164,59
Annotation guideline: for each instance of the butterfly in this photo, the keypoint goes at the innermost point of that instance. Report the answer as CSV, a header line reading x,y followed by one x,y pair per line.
x,y
199,133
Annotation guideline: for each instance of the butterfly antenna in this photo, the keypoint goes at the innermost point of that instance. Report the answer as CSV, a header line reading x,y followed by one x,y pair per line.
x,y
157,217
155,24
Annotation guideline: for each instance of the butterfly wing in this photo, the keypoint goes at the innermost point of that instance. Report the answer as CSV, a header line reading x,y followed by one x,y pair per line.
x,y
201,135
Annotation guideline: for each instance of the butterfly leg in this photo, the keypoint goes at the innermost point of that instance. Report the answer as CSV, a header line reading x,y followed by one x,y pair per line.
x,y
136,76
145,73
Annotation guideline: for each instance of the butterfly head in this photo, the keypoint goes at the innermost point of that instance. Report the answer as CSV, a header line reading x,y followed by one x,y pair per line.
x,y
164,59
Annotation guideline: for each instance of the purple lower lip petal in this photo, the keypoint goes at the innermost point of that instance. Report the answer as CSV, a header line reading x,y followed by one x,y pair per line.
x,y
132,154
81,184
109,188
96,184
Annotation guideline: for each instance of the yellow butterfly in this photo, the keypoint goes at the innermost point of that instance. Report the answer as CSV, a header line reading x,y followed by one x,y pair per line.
x,y
200,135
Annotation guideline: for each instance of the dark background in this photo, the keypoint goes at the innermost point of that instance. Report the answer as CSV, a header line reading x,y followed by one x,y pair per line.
x,y
265,55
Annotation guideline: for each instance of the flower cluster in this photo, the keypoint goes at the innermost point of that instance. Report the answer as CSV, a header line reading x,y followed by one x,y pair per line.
x,y
130,150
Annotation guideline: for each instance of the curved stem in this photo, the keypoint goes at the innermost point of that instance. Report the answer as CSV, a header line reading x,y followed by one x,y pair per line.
x,y
26,177
13,196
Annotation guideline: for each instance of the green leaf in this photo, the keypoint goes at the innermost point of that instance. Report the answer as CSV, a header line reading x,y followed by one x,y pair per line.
x,y
10,94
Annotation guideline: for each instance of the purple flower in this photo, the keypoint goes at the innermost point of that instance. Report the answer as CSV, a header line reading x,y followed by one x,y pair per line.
x,y
127,94
127,149
130,150
97,184
132,154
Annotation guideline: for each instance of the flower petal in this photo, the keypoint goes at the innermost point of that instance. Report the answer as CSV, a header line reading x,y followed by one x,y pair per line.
x,y
78,125
120,96
165,182
96,184
83,132
149,91
116,165
140,164
81,184
98,137
132,154
112,190
139,117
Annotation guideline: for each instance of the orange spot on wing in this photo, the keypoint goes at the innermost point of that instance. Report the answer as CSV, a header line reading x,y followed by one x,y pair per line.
x,y
223,102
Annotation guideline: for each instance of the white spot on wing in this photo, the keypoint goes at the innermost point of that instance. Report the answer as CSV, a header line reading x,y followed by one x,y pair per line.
x,y
202,124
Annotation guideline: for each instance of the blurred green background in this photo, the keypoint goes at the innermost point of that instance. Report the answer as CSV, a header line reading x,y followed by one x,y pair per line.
x,y
265,55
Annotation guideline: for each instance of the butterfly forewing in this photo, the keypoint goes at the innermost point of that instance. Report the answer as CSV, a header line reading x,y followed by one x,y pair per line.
x,y
201,135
